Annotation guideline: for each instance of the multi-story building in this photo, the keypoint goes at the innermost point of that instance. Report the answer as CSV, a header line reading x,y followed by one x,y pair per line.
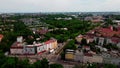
x,y
20,48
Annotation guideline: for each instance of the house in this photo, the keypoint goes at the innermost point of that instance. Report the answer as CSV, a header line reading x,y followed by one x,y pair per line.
x,y
69,55
51,44
16,48
79,38
78,56
87,58
92,59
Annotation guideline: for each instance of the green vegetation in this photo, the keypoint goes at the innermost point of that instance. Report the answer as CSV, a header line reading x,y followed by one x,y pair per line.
x,y
111,46
83,42
14,62
74,28
56,66
10,37
69,45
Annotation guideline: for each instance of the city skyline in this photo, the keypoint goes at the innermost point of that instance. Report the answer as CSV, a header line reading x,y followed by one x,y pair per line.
x,y
59,6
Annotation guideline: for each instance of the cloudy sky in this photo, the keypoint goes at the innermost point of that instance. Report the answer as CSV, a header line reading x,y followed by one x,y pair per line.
x,y
58,5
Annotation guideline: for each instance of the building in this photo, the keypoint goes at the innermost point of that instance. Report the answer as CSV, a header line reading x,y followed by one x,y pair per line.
x,y
16,48
37,48
79,38
116,21
92,58
78,56
69,55
41,48
29,50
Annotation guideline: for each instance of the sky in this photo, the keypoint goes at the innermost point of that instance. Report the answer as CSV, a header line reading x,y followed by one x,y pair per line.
x,y
59,5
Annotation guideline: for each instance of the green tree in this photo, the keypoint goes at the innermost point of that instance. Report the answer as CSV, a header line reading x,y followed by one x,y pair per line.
x,y
83,42
56,66
44,63
37,64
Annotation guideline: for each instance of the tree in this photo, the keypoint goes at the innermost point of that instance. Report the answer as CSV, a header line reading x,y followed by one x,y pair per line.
x,y
2,58
83,42
70,45
56,66
10,63
110,66
44,63
37,64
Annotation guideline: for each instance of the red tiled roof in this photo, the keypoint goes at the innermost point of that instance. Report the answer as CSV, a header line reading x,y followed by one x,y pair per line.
x,y
107,32
115,39
49,41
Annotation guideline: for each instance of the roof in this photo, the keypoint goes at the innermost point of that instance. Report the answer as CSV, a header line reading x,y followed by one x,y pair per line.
x,y
16,45
115,39
49,41
88,54
20,45
108,32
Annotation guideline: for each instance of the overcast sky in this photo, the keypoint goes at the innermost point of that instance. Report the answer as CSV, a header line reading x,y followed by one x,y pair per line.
x,y
59,5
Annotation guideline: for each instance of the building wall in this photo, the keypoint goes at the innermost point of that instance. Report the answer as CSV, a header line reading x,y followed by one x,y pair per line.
x,y
69,56
78,58
41,49
101,41
54,45
87,59
112,60
16,50
118,45
93,59
97,59
79,39
29,50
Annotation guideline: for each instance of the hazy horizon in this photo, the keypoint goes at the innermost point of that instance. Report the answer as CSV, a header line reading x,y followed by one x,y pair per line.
x,y
24,6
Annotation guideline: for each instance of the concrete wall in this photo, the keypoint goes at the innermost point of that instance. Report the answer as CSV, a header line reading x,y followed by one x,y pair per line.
x,y
16,50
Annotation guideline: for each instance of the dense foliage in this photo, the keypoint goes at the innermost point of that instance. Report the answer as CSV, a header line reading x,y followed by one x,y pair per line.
x,y
74,27
14,62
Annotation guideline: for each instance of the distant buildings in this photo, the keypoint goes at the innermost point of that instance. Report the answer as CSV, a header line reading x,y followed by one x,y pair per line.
x,y
94,19
66,18
30,21
77,56
101,36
